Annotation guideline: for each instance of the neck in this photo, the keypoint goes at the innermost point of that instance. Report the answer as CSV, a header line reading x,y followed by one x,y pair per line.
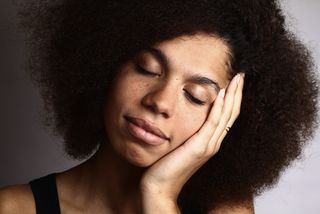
x,y
109,182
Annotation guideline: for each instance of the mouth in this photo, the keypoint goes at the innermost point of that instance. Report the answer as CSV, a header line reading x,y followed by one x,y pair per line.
x,y
145,131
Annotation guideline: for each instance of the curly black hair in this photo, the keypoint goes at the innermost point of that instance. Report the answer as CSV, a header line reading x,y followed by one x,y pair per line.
x,y
78,46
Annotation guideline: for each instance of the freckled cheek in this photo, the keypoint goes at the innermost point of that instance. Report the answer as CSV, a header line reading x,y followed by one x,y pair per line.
x,y
124,90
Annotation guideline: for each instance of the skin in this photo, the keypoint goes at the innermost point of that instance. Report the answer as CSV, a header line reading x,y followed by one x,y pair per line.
x,y
161,99
129,176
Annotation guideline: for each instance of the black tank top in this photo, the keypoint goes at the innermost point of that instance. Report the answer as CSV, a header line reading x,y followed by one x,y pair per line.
x,y
45,194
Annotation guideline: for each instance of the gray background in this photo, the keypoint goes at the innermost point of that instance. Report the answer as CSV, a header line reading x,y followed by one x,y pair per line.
x,y
28,150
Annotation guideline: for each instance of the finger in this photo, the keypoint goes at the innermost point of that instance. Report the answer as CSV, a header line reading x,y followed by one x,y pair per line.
x,y
237,103
226,112
213,118
234,105
236,110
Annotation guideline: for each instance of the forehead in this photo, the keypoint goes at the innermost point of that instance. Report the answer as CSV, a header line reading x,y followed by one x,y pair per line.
x,y
199,41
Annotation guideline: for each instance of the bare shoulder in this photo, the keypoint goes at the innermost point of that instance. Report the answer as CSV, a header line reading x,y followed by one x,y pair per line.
x,y
17,199
244,207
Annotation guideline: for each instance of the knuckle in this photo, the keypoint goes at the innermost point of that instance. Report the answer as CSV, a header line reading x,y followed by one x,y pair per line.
x,y
214,150
227,111
213,122
200,152
226,118
235,112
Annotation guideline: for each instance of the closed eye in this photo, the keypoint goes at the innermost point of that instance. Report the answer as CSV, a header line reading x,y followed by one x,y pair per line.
x,y
193,99
144,71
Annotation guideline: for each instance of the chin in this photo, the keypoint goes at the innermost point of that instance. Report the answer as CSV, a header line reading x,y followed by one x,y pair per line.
x,y
140,164
139,161
134,153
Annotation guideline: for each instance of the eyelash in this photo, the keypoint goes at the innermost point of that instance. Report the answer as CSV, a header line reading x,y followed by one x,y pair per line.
x,y
188,95
193,99
145,72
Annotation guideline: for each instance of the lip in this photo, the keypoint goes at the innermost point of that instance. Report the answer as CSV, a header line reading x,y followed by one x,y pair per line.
x,y
144,130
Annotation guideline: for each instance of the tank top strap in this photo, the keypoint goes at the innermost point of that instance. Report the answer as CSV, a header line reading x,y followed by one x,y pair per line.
x,y
45,194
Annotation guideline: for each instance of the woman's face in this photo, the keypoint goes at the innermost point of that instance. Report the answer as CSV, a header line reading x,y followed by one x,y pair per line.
x,y
161,98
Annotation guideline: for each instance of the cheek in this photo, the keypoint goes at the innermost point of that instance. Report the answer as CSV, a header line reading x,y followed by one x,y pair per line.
x,y
191,122
123,91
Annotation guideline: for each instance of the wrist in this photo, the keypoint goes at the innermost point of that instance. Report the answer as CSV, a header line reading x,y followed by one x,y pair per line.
x,y
155,201
157,205
164,190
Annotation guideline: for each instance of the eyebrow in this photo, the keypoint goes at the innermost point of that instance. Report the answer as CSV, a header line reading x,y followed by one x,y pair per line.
x,y
157,53
205,81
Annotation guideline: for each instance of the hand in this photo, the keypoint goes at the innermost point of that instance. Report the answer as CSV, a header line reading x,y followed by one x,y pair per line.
x,y
163,181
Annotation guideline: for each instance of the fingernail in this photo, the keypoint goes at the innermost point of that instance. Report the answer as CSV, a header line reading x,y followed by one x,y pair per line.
x,y
238,78
222,92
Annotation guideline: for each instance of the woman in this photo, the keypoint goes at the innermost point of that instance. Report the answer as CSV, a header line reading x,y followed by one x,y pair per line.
x,y
154,90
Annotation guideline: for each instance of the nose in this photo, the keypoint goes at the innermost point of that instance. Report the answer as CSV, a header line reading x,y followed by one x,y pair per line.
x,y
161,100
